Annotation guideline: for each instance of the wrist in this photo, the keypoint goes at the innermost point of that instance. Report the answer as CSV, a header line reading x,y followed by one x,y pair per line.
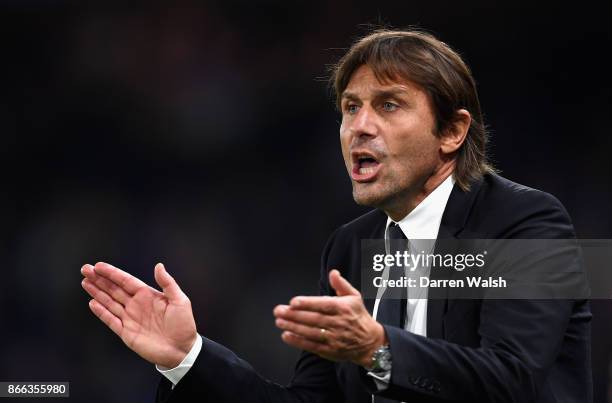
x,y
176,357
379,340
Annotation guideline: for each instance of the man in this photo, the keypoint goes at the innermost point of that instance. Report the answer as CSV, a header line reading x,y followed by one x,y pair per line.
x,y
413,141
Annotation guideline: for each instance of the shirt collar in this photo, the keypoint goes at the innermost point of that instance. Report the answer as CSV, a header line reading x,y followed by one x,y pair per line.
x,y
424,221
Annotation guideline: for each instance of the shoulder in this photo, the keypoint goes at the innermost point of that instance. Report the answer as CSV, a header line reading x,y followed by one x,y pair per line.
x,y
370,225
343,248
347,237
365,225
515,210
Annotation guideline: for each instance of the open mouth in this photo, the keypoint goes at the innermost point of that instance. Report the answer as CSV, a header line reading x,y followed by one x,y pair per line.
x,y
365,166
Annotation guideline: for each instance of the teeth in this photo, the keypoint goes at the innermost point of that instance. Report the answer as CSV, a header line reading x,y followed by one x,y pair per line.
x,y
364,171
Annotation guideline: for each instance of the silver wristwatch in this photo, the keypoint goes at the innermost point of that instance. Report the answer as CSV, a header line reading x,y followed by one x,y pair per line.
x,y
381,360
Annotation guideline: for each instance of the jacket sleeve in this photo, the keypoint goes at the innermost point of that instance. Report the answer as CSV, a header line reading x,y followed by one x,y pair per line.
x,y
218,375
519,339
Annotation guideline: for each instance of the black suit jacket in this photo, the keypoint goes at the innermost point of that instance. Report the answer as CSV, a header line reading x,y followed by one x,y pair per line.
x,y
475,350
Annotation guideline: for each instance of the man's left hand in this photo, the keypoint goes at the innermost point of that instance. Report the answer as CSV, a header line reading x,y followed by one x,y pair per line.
x,y
337,328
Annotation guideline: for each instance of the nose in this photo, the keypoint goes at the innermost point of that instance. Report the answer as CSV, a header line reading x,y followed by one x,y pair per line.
x,y
364,123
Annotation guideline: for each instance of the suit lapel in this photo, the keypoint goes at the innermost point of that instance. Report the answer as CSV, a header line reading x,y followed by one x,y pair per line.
x,y
437,298
377,233
456,213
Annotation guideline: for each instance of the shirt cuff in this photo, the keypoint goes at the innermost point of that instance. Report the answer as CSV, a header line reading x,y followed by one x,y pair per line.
x,y
177,373
381,379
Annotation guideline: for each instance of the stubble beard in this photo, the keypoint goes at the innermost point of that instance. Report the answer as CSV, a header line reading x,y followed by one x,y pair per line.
x,y
390,197
374,195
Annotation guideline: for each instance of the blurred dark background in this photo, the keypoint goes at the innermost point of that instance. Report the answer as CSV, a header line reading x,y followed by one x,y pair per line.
x,y
203,135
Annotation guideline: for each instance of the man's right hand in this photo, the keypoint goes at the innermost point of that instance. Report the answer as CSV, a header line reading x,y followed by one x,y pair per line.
x,y
158,326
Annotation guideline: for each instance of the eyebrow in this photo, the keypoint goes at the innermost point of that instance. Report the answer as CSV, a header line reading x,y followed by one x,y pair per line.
x,y
393,92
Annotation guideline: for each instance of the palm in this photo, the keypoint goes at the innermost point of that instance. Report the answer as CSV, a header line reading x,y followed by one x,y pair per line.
x,y
158,326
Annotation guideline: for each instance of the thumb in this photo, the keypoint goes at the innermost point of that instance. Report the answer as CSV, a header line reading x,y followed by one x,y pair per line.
x,y
341,285
167,283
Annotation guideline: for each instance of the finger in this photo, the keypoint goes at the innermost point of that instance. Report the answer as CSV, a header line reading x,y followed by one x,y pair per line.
x,y
298,341
308,318
341,285
110,320
316,334
103,298
112,289
166,282
124,280
325,304
87,270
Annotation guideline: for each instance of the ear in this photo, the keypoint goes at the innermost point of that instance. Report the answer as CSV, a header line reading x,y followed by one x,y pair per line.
x,y
455,134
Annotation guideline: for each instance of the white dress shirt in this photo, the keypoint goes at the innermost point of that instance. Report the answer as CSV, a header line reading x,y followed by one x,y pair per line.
x,y
421,223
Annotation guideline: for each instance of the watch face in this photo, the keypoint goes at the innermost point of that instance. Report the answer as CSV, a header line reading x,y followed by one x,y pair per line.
x,y
385,361
382,358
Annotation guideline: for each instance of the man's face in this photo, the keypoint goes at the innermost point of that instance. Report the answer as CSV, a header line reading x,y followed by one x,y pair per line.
x,y
388,141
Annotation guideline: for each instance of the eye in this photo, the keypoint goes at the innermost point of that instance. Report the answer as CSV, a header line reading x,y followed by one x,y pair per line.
x,y
352,108
389,106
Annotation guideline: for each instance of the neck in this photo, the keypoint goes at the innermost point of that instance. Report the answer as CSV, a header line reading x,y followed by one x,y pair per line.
x,y
404,205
